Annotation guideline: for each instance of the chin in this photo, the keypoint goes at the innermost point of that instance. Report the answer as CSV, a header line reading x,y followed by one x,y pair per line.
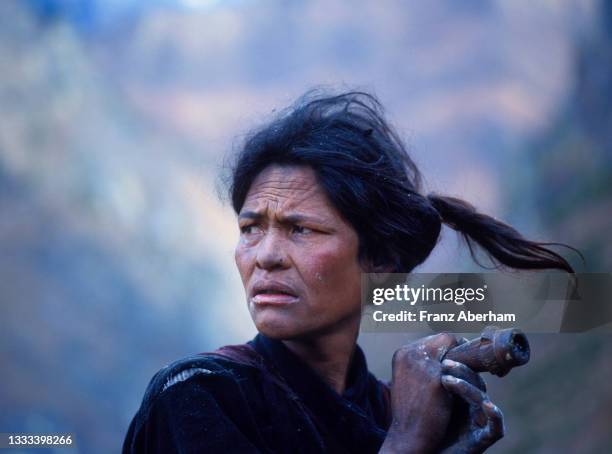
x,y
277,328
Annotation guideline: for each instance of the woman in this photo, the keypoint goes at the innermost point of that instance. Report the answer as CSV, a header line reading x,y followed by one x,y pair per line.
x,y
323,193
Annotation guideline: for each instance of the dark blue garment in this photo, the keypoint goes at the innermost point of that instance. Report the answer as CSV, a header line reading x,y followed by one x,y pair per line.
x,y
258,397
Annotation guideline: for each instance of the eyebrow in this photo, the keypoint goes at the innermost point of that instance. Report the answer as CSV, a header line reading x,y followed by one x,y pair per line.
x,y
249,215
289,219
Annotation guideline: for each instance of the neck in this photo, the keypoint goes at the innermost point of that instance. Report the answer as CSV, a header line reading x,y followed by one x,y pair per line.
x,y
329,355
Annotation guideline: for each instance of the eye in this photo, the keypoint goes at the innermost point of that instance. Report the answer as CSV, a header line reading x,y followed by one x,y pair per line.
x,y
300,229
248,229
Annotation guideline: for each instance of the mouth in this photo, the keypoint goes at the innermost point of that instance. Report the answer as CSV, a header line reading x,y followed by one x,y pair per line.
x,y
273,293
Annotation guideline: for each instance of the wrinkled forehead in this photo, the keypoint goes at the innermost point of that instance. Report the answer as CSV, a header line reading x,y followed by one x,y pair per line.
x,y
286,187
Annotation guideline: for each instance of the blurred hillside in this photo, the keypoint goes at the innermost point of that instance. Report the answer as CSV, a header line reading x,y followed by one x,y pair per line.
x,y
568,179
565,177
116,254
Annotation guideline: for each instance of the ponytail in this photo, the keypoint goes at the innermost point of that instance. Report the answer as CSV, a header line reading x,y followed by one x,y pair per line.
x,y
501,241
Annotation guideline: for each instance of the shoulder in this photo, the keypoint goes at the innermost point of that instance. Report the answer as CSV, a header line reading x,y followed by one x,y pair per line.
x,y
201,391
200,368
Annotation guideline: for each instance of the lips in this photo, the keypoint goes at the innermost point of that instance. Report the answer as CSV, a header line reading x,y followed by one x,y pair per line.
x,y
273,293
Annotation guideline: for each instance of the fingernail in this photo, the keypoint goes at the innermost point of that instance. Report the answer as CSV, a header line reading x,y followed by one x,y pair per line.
x,y
449,379
450,363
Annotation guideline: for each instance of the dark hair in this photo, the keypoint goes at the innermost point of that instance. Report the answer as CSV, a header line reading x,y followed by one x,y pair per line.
x,y
368,175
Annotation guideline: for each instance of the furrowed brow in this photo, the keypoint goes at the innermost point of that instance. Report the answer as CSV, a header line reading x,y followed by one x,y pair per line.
x,y
250,215
293,218
297,218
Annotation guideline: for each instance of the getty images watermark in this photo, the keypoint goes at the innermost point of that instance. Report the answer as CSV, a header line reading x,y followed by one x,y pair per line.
x,y
536,301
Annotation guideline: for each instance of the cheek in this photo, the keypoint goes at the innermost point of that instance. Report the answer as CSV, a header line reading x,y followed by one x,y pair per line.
x,y
243,258
333,272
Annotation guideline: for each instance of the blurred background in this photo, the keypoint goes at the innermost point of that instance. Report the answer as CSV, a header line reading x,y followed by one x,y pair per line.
x,y
116,253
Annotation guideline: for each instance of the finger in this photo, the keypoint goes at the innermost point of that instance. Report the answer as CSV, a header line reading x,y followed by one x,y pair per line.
x,y
494,429
437,345
492,426
460,370
470,394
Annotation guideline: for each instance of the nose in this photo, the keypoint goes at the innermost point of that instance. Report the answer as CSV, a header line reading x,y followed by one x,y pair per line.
x,y
271,251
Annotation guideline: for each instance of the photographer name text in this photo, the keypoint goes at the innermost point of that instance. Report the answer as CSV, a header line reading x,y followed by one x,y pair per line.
x,y
426,316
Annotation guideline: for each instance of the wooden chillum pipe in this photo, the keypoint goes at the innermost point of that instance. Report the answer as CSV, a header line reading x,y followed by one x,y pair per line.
x,y
495,351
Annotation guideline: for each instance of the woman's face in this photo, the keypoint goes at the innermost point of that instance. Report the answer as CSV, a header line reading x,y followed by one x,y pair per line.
x,y
297,257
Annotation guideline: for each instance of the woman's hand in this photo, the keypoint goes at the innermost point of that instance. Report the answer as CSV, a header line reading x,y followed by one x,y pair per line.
x,y
426,418
420,405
